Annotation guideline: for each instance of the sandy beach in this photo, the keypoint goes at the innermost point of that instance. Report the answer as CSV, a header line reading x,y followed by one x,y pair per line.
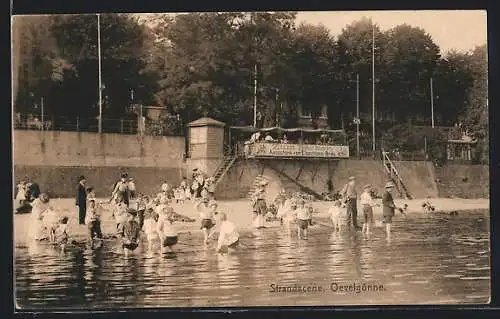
x,y
238,211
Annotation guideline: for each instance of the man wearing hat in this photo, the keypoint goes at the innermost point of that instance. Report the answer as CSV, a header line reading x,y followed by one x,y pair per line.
x,y
350,197
81,199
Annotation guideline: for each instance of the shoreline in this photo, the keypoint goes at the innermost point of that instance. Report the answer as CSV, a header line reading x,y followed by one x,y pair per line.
x,y
240,213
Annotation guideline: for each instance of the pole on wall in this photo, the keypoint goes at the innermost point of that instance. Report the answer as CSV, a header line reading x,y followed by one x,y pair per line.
x,y
41,106
373,90
255,97
99,62
357,114
432,103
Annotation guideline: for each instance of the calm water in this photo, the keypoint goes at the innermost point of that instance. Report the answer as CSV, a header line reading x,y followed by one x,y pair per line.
x,y
429,260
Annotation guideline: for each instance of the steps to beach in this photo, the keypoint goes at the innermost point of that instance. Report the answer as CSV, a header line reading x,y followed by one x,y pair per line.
x,y
223,168
255,184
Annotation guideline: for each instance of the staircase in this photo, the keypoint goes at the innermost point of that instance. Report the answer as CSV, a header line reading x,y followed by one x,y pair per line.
x,y
394,176
226,164
260,178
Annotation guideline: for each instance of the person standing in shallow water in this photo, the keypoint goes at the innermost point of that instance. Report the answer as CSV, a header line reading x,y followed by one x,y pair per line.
x,y
389,207
81,199
121,191
350,196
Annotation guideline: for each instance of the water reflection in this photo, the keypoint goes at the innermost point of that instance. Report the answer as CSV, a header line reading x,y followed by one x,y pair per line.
x,y
430,259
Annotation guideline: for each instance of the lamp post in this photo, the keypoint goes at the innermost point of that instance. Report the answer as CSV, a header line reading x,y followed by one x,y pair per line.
x,y
99,62
432,103
41,106
255,97
373,90
358,121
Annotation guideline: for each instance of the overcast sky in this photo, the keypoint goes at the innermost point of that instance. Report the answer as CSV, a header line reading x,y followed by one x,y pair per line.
x,y
461,30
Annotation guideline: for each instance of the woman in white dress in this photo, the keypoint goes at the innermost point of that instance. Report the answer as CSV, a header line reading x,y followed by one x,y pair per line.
x,y
37,228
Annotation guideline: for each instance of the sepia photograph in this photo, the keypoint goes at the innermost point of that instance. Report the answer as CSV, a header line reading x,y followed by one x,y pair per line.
x,y
250,159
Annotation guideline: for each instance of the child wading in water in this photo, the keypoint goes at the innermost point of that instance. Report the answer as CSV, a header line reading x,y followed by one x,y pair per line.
x,y
228,236
142,201
129,232
388,207
93,221
259,205
150,227
337,215
207,210
61,233
167,230
302,220
367,204
120,214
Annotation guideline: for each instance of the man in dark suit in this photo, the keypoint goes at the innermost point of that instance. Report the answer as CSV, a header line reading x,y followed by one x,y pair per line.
x,y
81,200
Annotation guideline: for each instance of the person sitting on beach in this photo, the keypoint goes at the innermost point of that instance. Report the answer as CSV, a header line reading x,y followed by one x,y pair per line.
x,y
61,236
40,207
207,210
129,232
259,205
367,204
150,227
93,222
166,230
228,236
302,220
337,215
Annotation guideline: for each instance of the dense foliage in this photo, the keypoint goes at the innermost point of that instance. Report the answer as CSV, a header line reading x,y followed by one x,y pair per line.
x,y
200,64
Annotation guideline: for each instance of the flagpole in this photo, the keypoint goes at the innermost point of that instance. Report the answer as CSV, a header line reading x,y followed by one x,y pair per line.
x,y
432,103
373,88
357,115
255,97
99,61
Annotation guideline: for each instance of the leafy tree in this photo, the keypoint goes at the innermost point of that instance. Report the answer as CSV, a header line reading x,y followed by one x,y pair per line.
x,y
475,116
410,58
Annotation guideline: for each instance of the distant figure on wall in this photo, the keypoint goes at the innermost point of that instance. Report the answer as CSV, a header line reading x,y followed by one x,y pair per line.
x,y
121,191
81,199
